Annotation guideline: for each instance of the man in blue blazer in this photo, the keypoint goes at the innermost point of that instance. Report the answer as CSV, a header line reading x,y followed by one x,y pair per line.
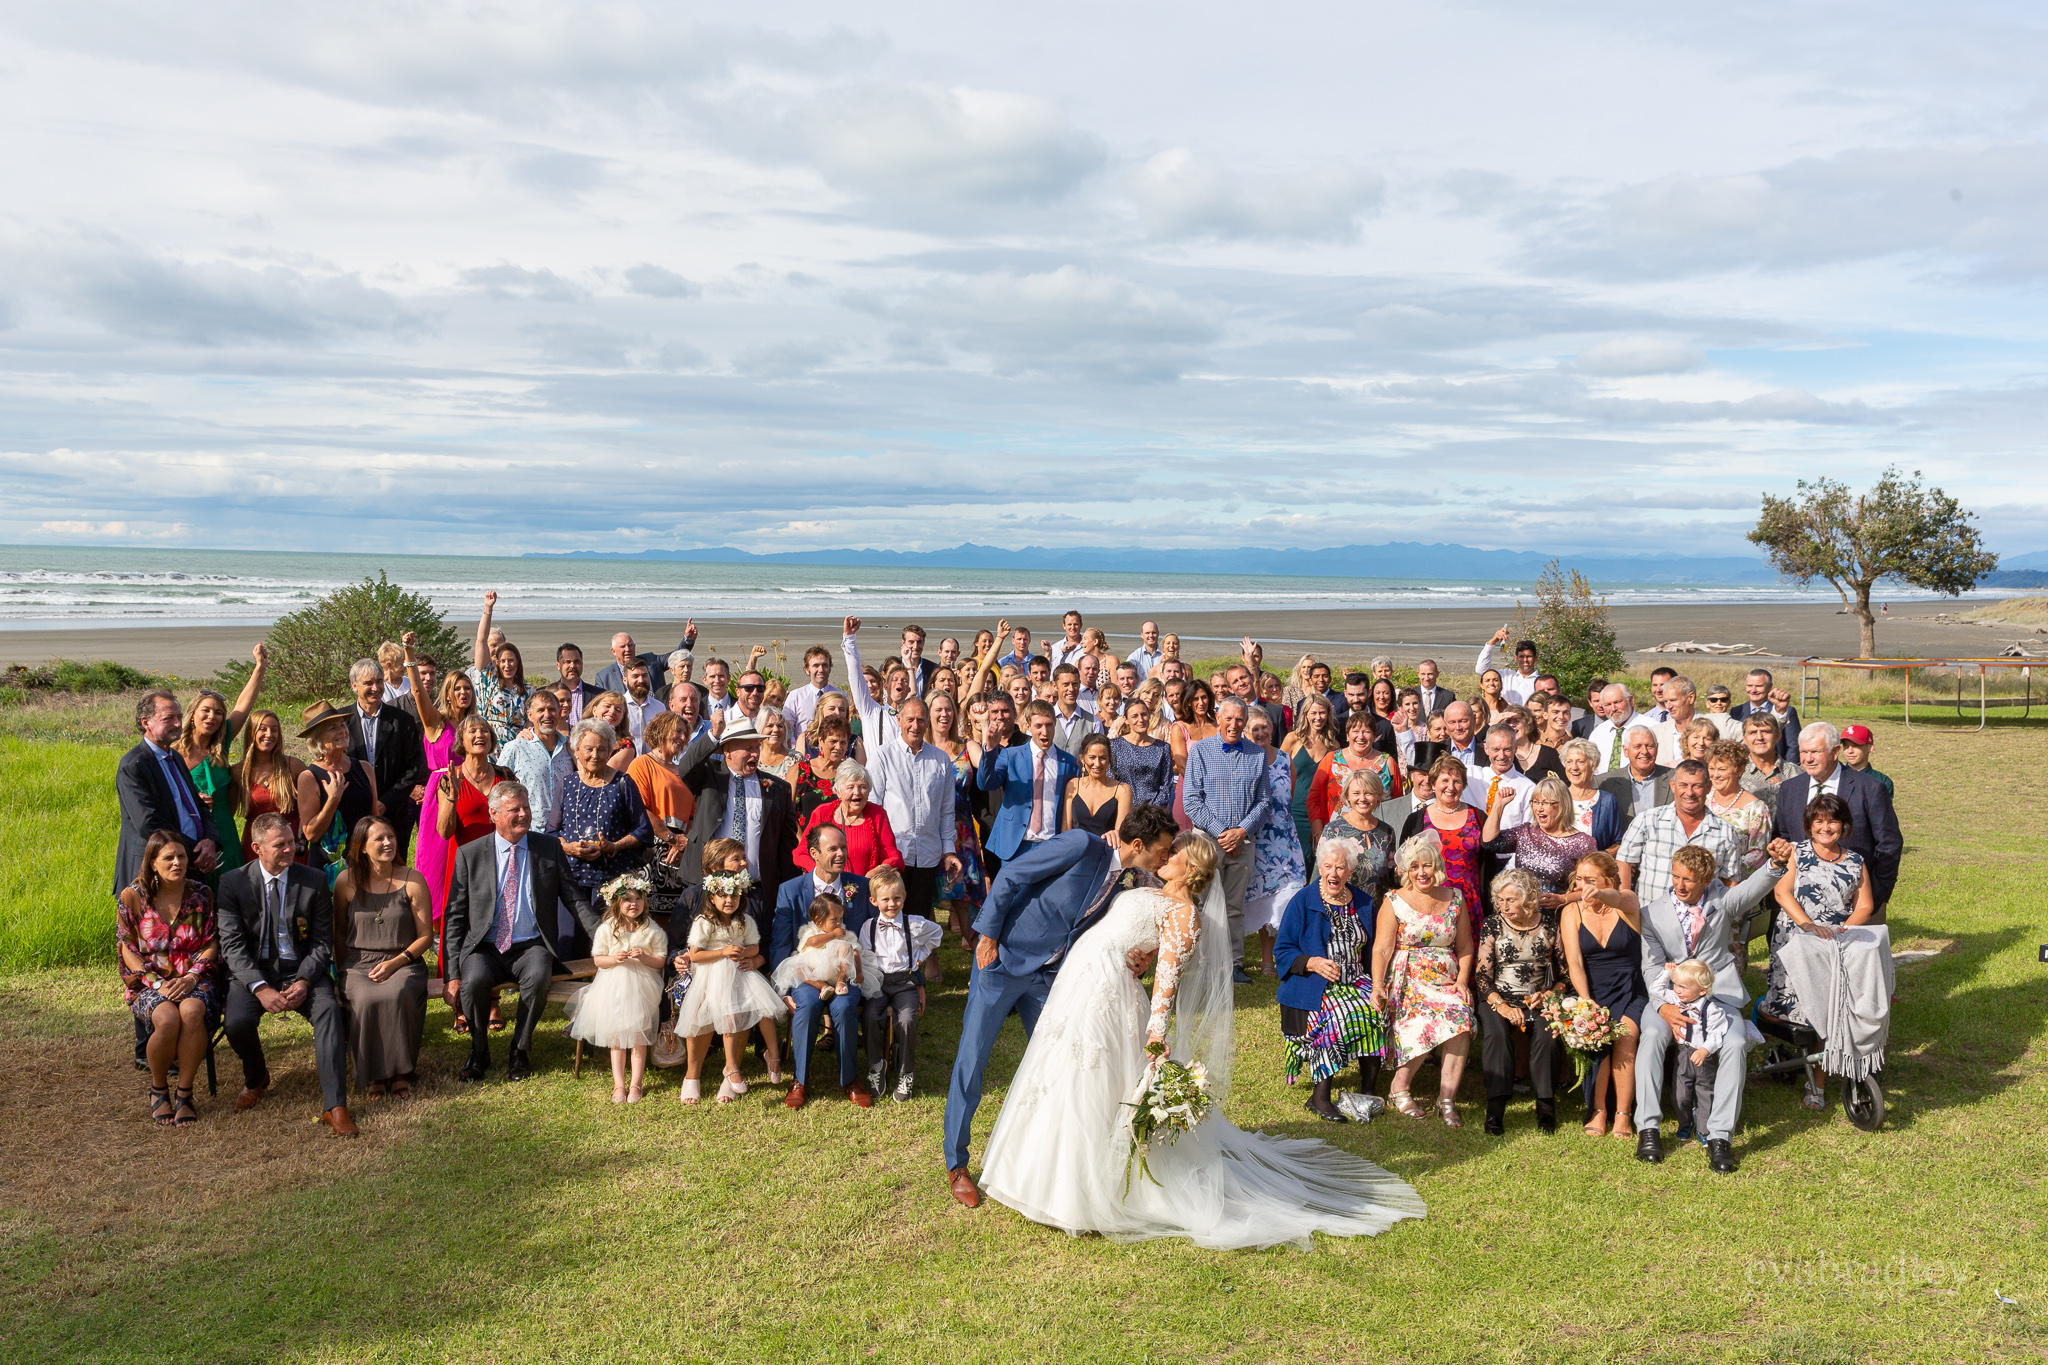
x,y
827,845
1873,826
1030,781
1043,900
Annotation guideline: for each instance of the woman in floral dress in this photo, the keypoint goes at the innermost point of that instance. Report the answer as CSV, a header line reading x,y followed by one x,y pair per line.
x,y
1749,813
1359,825
1422,976
499,677
1827,888
1278,869
170,961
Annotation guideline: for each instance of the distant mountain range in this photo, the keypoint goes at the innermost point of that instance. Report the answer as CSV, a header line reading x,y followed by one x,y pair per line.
x,y
1400,560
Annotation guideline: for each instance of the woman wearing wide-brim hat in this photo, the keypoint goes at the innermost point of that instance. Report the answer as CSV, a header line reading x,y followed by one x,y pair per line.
x,y
335,791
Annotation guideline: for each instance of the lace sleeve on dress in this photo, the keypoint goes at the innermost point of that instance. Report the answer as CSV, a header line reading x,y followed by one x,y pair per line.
x,y
1484,969
1177,933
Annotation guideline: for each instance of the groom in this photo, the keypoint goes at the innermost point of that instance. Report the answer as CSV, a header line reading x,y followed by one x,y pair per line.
x,y
1040,903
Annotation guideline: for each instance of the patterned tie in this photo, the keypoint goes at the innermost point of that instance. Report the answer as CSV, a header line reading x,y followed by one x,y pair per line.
x,y
274,911
508,903
736,802
1614,752
1492,791
1038,797
1692,919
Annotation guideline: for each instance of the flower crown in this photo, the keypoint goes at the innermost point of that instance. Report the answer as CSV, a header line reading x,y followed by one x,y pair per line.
x,y
727,883
629,884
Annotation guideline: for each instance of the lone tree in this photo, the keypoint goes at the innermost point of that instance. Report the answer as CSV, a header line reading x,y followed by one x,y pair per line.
x,y
1899,530
1573,636
311,649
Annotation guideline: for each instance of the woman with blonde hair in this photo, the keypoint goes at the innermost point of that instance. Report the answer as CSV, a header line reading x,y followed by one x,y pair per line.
x,y
1422,976
267,780
210,726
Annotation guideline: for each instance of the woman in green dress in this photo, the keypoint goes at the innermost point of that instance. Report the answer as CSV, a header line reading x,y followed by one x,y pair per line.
x,y
210,726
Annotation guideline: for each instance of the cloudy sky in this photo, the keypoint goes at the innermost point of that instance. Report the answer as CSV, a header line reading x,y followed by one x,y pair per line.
x,y
537,276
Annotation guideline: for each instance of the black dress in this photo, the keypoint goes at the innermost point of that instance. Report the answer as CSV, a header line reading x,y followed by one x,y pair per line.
x,y
1615,973
1096,822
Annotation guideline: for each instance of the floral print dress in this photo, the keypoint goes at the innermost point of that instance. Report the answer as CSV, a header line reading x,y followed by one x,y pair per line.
x,y
168,949
504,707
1827,893
1276,850
1753,823
972,884
1422,982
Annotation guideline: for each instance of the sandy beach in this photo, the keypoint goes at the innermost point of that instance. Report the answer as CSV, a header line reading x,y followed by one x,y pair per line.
x,y
1452,635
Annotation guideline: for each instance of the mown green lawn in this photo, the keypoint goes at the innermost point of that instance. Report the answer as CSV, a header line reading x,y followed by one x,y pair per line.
x,y
540,1222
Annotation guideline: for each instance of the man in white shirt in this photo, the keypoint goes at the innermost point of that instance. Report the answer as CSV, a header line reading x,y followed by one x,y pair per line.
x,y
718,689
910,651
949,653
1680,710
914,782
1518,682
1466,746
640,703
1146,656
1068,650
1619,711
803,702
878,724
1071,724
1499,782
1088,669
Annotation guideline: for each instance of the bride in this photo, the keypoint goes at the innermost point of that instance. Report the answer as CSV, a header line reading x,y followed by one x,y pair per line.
x,y
1061,1142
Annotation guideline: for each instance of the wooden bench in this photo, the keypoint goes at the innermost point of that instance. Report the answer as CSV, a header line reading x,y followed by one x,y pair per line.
x,y
564,985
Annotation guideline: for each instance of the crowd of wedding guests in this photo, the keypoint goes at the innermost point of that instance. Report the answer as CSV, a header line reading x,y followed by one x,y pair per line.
x,y
752,861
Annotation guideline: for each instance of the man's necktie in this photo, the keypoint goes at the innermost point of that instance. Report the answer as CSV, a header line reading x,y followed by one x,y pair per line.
x,y
1614,752
1038,797
1492,791
189,821
508,902
1692,919
736,802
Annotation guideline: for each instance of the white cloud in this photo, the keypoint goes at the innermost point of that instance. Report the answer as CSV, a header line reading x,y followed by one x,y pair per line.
x,y
924,143
1068,321
661,282
1638,355
1180,195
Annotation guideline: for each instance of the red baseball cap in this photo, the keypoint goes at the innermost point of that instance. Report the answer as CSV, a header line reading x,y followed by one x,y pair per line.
x,y
1857,734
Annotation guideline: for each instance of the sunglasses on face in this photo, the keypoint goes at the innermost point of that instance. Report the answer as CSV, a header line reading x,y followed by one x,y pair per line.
x,y
753,687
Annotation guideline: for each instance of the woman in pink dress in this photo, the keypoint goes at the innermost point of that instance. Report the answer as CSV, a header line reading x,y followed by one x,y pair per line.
x,y
440,716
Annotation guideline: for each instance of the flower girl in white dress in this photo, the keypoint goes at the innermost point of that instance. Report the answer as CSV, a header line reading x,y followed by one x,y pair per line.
x,y
724,999
620,1008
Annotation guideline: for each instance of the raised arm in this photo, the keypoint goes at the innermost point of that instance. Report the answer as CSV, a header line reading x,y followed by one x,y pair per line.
x,y
247,698
987,661
432,722
479,657
870,710
1177,934
1500,637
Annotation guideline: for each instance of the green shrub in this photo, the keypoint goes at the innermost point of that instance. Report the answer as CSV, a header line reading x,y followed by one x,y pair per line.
x,y
1574,639
311,650
69,675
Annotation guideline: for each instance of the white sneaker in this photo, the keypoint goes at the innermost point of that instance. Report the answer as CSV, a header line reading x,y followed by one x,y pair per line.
x,y
905,1085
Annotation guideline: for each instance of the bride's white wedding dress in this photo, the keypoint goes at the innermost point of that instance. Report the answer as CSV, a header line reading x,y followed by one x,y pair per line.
x,y
1061,1141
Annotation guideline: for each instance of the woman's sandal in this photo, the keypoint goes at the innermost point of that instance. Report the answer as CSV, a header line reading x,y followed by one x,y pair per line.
x,y
692,1091
497,1020
739,1087
635,1094
187,1114
375,1090
1448,1109
1622,1127
401,1086
618,1094
775,1072
1405,1105
462,1024
1597,1125
160,1106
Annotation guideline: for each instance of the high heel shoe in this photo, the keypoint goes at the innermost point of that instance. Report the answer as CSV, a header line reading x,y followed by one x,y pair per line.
x,y
775,1072
739,1087
726,1093
693,1090
1405,1105
1448,1109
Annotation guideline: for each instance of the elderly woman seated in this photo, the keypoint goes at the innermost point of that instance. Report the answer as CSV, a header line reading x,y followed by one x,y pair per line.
x,y
870,842
1323,954
1520,961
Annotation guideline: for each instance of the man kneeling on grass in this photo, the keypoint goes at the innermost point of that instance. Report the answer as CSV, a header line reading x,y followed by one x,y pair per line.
x,y
1697,918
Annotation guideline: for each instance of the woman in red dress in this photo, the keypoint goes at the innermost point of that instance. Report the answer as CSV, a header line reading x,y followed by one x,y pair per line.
x,y
267,780
1458,828
870,842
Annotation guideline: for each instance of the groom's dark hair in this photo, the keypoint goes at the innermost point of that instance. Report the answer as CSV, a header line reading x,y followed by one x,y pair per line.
x,y
1148,825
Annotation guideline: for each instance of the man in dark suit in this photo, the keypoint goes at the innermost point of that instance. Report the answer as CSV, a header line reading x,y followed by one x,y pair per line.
x,y
714,768
155,791
827,847
577,692
1596,710
389,741
1756,689
1873,825
911,652
276,924
612,677
503,895
1642,783
1434,698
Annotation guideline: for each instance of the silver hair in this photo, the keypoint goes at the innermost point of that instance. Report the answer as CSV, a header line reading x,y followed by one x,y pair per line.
x,y
1522,883
1635,730
506,791
596,727
1501,729
1423,847
364,668
1822,731
1584,748
849,773
678,657
1683,683
1379,659
1238,702
1342,849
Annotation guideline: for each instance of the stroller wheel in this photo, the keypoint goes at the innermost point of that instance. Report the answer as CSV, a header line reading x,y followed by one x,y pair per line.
x,y
1863,1102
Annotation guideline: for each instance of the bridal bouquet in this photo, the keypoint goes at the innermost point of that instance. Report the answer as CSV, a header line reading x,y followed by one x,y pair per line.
x,y
1170,1101
1582,1025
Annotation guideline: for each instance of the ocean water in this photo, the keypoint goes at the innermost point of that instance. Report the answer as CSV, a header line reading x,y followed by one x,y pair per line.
x,y
54,587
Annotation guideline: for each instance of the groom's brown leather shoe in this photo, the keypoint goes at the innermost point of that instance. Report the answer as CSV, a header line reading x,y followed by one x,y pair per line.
x,y
250,1098
963,1187
337,1118
860,1095
795,1098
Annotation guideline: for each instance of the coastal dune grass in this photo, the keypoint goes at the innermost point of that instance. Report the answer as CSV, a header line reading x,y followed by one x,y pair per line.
x,y
540,1222
58,828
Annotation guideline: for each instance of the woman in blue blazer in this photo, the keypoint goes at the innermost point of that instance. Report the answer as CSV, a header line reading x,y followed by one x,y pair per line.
x,y
1581,760
1324,952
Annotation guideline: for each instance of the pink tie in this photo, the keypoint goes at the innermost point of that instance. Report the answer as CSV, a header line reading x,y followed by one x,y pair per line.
x,y
1694,919
1038,797
508,903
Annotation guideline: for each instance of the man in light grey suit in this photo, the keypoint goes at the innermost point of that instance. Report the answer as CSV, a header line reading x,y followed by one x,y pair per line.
x,y
1699,918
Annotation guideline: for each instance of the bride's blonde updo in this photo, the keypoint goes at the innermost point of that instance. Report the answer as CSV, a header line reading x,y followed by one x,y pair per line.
x,y
1202,857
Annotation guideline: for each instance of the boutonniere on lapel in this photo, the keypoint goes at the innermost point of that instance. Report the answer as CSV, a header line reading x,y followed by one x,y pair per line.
x,y
301,927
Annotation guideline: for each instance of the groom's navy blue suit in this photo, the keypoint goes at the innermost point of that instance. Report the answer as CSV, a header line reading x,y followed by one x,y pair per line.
x,y
1038,905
